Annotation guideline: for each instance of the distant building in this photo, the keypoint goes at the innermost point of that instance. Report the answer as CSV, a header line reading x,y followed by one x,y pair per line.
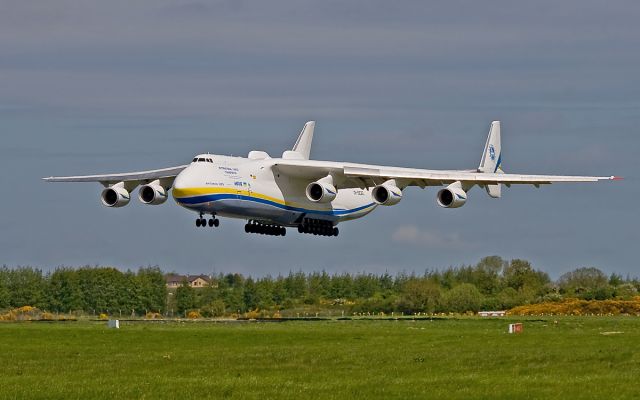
x,y
492,313
195,281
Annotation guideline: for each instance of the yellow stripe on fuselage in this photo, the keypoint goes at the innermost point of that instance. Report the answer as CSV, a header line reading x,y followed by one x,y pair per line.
x,y
203,191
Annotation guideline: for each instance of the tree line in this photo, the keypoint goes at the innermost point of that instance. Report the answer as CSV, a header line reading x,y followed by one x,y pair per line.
x,y
86,289
491,284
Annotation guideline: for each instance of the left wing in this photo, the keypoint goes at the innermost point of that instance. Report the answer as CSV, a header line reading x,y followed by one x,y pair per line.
x,y
488,174
349,175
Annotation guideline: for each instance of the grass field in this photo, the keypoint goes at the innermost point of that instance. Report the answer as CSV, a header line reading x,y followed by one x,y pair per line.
x,y
576,358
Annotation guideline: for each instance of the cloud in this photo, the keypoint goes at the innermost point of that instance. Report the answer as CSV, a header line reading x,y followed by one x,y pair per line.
x,y
411,234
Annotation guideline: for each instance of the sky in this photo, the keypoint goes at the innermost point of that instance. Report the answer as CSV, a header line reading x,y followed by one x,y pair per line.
x,y
104,87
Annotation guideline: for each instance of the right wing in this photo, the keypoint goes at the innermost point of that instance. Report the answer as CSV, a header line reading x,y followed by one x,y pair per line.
x,y
129,178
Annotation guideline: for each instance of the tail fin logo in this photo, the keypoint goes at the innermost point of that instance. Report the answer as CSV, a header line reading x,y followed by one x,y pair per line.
x,y
492,153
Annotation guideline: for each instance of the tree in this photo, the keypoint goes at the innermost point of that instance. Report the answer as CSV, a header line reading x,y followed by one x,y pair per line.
x,y
462,298
151,289
587,283
64,289
185,297
521,276
486,274
420,295
5,295
27,286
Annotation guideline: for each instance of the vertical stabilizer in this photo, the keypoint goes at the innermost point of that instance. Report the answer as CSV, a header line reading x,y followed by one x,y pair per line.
x,y
303,144
491,161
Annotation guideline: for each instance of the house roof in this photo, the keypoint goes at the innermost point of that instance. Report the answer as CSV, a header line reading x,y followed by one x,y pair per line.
x,y
176,278
192,278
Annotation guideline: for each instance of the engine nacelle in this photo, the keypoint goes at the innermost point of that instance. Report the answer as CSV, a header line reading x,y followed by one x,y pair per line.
x,y
452,197
152,194
321,192
386,194
115,196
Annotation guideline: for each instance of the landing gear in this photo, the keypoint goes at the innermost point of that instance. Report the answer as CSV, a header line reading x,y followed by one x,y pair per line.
x,y
265,229
318,227
202,222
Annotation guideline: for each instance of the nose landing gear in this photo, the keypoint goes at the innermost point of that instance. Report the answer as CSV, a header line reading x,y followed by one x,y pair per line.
x,y
202,222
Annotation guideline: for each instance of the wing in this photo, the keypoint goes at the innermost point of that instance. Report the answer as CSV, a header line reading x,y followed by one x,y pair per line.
x,y
131,178
362,175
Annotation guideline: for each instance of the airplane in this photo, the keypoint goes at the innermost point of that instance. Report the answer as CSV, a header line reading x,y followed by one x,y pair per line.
x,y
294,191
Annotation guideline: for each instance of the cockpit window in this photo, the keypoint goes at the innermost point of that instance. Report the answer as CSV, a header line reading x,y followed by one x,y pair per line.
x,y
203,159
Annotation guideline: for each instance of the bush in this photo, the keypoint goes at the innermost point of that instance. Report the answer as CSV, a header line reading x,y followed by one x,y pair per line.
x,y
194,315
581,307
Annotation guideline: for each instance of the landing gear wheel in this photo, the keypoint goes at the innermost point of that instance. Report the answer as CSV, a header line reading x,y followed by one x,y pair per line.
x,y
198,222
216,222
211,222
335,232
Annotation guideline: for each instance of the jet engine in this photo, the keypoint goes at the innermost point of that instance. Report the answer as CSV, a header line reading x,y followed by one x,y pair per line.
x,y
152,193
115,196
321,192
453,196
386,194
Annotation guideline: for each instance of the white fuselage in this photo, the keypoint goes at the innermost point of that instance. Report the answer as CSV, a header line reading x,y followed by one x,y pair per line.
x,y
250,189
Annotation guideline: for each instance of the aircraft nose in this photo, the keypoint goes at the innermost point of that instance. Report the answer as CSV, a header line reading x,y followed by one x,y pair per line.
x,y
182,183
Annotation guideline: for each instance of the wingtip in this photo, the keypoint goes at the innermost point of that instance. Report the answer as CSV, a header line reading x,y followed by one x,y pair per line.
x,y
617,178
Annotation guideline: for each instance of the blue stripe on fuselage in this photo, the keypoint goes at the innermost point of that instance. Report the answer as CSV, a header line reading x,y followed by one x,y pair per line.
x,y
217,197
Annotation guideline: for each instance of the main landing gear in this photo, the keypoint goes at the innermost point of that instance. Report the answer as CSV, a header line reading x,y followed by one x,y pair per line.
x,y
265,229
318,227
202,222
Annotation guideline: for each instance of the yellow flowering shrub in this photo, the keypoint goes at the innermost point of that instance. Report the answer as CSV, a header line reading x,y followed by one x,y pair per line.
x,y
580,307
193,315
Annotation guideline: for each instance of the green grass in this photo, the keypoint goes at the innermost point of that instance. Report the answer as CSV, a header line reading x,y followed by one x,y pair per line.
x,y
444,359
